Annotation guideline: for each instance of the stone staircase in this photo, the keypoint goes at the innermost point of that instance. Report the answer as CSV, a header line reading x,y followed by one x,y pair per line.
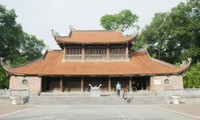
x,y
85,99
57,100
80,98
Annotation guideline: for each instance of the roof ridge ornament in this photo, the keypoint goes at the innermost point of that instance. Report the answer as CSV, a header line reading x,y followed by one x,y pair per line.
x,y
6,63
144,48
71,28
186,62
47,47
55,34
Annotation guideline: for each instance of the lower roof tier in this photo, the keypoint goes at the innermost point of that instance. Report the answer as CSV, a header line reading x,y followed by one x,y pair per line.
x,y
51,64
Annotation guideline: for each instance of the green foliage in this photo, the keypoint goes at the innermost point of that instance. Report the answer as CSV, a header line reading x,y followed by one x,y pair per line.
x,y
174,36
15,45
123,20
3,78
10,33
192,77
30,49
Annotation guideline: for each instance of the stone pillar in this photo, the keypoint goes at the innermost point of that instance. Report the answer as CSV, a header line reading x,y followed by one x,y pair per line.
x,y
61,84
109,84
130,84
82,84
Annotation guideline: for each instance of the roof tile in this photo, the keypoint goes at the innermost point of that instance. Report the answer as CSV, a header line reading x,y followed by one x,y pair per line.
x,y
52,64
95,37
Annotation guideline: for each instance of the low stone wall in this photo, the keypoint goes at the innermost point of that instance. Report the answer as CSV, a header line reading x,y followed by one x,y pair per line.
x,y
5,100
4,92
189,99
181,92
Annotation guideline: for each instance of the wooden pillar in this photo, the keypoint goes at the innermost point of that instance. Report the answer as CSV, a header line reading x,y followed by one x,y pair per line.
x,y
109,84
83,53
64,55
127,52
108,53
61,84
82,84
130,84
142,84
64,52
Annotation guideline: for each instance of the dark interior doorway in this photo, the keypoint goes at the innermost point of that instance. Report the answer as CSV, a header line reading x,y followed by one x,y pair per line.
x,y
141,83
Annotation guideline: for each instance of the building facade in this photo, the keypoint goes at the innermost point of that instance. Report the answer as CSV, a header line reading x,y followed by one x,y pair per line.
x,y
95,57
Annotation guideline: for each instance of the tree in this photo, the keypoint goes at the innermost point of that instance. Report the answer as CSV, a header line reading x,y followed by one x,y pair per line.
x,y
10,33
3,78
174,36
186,31
30,49
192,78
123,20
15,45
156,35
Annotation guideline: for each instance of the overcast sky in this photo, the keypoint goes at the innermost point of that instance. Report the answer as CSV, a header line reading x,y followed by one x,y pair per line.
x,y
39,17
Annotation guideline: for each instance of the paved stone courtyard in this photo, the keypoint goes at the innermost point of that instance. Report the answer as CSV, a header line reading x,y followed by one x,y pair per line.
x,y
100,112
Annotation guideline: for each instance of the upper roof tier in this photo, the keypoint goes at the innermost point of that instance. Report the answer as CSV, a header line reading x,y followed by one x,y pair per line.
x,y
93,37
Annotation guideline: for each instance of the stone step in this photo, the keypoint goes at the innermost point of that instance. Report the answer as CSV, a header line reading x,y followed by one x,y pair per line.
x,y
103,100
107,98
148,100
138,93
56,100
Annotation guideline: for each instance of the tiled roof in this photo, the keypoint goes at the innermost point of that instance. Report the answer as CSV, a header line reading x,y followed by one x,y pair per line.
x,y
51,64
95,37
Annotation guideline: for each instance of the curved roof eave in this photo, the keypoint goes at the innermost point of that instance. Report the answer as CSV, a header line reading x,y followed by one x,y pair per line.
x,y
89,43
66,39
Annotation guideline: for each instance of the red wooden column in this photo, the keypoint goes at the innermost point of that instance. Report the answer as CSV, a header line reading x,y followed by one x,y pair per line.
x,y
83,53
82,84
130,84
108,53
61,84
127,52
109,84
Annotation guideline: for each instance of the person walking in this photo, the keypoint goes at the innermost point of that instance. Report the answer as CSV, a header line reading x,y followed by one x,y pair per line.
x,y
118,88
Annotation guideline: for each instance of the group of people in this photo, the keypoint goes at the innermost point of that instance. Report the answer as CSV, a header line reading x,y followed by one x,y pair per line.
x,y
125,93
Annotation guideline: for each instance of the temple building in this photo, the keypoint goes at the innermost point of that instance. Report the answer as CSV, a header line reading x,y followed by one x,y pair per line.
x,y
95,57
